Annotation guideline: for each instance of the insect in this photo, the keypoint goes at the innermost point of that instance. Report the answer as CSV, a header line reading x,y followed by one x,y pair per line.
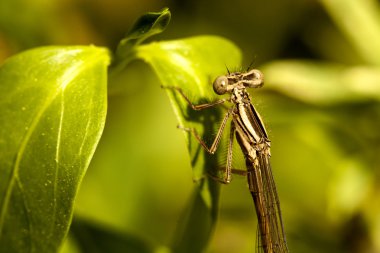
x,y
248,127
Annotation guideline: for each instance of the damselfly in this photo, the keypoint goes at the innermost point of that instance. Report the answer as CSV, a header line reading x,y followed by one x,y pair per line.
x,y
253,139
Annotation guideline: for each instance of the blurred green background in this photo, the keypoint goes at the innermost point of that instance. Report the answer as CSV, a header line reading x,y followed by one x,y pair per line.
x,y
320,104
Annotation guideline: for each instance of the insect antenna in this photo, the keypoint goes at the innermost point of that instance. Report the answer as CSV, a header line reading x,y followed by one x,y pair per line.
x,y
252,62
250,65
228,71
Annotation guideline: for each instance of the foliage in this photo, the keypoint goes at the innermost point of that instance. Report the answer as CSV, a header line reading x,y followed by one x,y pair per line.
x,y
319,103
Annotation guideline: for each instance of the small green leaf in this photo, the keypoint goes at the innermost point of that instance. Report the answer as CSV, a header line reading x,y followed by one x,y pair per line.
x,y
53,108
146,26
192,64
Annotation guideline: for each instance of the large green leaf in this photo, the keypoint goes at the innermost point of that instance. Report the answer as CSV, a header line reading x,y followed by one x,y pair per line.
x,y
53,108
191,64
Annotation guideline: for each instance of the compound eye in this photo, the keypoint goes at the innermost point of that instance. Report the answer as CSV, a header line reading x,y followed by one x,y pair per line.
x,y
220,85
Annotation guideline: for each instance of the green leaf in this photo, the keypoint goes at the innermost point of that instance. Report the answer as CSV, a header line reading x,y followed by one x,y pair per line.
x,y
146,26
198,220
191,64
323,83
53,108
93,238
351,16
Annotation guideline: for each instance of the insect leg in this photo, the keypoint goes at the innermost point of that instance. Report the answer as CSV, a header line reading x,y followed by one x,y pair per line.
x,y
195,107
217,139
